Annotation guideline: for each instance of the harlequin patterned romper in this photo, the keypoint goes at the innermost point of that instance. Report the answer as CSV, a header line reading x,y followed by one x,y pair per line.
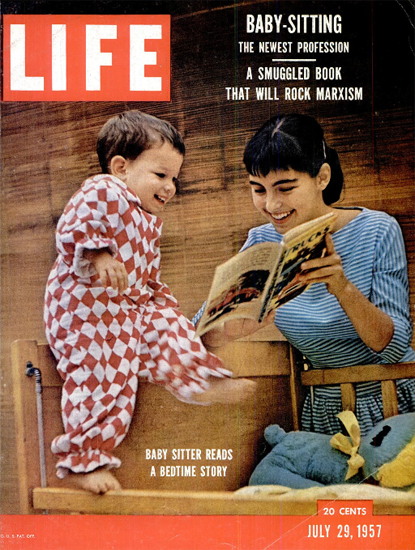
x,y
104,340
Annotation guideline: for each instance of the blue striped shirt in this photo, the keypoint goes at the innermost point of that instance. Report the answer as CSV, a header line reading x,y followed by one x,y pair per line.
x,y
373,256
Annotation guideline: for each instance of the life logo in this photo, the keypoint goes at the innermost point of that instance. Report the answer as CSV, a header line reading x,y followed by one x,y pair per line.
x,y
86,58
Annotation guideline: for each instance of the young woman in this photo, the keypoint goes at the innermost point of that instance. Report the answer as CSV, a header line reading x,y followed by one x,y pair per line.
x,y
357,310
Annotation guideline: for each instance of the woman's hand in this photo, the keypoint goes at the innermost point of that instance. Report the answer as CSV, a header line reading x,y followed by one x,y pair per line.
x,y
111,272
327,269
234,330
239,328
357,307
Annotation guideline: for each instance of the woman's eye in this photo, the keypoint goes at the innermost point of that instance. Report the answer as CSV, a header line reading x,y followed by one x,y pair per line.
x,y
285,189
259,190
160,175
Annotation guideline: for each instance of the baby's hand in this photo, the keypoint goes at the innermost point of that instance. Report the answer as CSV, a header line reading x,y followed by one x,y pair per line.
x,y
111,272
228,391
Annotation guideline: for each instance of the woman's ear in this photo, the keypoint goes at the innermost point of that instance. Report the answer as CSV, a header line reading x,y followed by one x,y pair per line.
x,y
324,176
118,166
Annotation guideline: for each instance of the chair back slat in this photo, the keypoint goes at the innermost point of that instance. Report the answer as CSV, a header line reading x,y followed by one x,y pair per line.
x,y
348,397
347,377
389,398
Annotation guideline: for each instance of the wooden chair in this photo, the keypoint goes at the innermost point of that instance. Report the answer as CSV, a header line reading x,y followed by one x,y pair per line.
x,y
347,377
161,421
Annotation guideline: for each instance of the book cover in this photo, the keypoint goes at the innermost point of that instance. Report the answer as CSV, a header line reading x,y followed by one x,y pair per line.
x,y
216,69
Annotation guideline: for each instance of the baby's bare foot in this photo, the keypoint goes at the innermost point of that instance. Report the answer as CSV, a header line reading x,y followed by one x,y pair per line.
x,y
228,390
99,481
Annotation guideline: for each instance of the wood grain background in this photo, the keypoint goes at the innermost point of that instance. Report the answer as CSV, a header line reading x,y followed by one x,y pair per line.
x,y
48,150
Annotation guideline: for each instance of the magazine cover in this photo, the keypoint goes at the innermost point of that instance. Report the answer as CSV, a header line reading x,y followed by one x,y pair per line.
x,y
109,251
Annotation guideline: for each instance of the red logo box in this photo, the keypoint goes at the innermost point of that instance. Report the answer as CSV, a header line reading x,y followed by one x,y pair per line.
x,y
86,58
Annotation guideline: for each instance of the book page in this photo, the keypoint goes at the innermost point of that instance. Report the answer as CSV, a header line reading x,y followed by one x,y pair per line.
x,y
238,285
300,247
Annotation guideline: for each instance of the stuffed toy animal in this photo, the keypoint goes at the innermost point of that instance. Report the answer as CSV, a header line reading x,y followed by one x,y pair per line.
x,y
386,455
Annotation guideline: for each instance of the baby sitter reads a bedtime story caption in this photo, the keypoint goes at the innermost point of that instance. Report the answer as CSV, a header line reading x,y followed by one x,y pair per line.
x,y
187,462
291,57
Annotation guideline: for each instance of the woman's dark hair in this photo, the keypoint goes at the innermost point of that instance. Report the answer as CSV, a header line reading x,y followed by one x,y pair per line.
x,y
294,141
132,132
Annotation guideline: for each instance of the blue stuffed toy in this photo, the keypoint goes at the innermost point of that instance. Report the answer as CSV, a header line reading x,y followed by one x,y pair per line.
x,y
386,455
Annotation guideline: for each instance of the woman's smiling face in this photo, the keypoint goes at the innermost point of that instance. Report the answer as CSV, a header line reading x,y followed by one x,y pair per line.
x,y
287,198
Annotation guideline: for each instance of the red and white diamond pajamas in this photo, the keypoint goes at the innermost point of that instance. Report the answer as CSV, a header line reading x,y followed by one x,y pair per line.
x,y
104,340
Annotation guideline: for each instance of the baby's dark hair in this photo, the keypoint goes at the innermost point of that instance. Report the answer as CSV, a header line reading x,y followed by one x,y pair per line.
x,y
294,141
132,132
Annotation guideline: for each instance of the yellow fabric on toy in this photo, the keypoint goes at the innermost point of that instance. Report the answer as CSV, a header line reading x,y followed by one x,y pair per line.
x,y
342,443
400,472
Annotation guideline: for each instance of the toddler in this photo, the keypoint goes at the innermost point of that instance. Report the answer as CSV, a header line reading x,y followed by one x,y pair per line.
x,y
108,318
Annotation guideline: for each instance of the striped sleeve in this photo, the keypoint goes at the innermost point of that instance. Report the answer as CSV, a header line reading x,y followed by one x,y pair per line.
x,y
198,315
263,233
390,290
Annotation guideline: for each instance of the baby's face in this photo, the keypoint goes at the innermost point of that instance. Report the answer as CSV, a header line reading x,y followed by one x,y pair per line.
x,y
153,176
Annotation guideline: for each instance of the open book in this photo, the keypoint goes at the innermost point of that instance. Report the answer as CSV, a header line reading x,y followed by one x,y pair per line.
x,y
264,276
